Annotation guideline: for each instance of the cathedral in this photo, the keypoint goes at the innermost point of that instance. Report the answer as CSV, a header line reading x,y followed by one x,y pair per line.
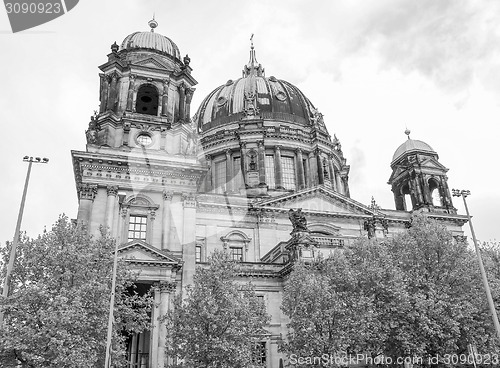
x,y
254,171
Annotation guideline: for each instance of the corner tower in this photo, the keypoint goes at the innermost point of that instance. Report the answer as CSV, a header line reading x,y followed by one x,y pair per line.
x,y
418,179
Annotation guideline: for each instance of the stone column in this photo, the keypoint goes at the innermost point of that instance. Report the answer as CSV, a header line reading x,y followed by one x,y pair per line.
x,y
164,99
112,91
167,288
188,239
208,175
155,325
300,168
278,170
166,217
112,191
104,93
313,167
86,194
261,159
319,164
189,96
229,171
243,159
182,101
130,94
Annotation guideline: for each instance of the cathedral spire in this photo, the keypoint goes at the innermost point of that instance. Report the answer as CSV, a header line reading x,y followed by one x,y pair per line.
x,y
253,68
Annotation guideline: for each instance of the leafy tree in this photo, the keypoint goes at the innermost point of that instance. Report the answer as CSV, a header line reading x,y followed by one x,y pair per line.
x,y
448,308
57,311
219,320
417,294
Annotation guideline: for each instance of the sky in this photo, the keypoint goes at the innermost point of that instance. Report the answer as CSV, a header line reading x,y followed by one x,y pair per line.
x,y
373,68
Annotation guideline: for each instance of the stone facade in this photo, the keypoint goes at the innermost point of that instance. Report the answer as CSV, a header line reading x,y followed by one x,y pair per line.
x,y
172,189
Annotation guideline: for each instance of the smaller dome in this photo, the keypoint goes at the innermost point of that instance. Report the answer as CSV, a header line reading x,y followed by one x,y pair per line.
x,y
151,41
412,145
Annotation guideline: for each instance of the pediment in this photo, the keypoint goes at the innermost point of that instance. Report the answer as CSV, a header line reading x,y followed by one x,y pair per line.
x,y
432,163
151,62
141,252
320,199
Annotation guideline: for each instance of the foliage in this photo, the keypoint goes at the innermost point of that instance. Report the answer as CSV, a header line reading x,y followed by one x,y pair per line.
x,y
57,311
418,294
218,321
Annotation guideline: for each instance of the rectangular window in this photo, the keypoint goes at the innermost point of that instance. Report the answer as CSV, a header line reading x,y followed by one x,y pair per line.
x,y
259,353
269,165
238,177
198,253
137,227
236,253
220,177
288,172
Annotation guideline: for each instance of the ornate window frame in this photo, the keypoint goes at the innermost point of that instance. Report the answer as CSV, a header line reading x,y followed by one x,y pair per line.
x,y
236,239
138,205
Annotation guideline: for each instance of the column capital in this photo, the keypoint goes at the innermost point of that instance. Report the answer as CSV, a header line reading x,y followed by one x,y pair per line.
x,y
208,158
260,143
87,191
167,195
228,152
112,190
277,148
298,150
189,200
132,76
167,286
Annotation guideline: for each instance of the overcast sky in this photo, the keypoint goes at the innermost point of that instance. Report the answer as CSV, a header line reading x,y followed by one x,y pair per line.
x,y
372,68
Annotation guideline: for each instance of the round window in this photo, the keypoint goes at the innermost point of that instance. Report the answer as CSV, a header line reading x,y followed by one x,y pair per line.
x,y
144,139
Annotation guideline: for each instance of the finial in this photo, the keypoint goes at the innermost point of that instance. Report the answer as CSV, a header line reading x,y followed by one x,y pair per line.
x,y
153,23
253,67
114,47
407,132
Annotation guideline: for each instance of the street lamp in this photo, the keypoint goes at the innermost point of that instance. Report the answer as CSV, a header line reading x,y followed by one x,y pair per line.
x,y
30,160
464,194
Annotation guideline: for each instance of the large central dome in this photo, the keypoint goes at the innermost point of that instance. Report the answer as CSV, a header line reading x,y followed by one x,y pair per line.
x,y
257,96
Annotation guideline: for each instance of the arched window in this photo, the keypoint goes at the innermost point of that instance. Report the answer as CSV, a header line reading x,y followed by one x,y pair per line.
x,y
236,242
405,191
147,100
138,213
435,195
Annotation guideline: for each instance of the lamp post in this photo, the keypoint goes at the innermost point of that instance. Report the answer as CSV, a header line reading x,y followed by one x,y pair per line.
x,y
30,160
464,194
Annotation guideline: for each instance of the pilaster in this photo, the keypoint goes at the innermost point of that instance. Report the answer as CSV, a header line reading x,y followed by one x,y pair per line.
x,y
86,193
167,222
188,238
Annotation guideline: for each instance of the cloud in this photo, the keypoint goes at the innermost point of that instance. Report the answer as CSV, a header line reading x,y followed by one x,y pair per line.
x,y
447,41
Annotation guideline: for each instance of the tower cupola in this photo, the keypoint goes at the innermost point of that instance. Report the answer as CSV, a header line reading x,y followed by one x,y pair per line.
x,y
418,179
